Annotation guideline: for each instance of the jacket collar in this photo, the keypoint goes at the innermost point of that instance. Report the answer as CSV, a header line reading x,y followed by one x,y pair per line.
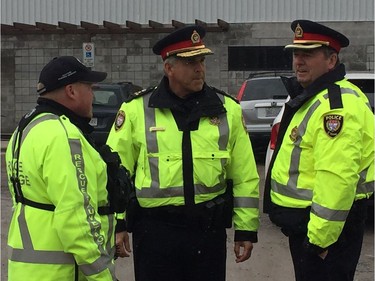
x,y
51,106
203,103
300,95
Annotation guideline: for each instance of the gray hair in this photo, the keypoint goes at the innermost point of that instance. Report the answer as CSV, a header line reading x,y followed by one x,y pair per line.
x,y
171,60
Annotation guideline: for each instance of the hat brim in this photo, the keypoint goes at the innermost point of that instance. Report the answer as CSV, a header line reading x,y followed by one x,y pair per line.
x,y
93,76
194,53
303,46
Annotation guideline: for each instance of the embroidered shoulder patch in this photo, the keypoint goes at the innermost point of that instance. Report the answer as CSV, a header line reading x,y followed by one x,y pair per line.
x,y
120,120
293,134
333,124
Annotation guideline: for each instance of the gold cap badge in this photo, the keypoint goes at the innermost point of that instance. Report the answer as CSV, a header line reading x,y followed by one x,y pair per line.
x,y
298,32
195,37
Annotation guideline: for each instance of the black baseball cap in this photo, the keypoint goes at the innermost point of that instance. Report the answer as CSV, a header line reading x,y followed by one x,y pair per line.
x,y
65,70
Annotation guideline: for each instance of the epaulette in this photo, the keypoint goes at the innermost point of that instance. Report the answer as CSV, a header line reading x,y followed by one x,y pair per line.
x,y
140,93
224,94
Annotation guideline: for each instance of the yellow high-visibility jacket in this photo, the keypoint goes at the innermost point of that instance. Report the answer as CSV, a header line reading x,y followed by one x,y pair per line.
x,y
59,167
326,161
149,143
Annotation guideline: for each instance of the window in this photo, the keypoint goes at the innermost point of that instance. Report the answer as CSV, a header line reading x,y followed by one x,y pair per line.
x,y
245,58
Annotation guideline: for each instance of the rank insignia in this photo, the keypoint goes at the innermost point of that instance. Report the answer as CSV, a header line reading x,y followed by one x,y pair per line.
x,y
195,37
333,124
298,32
120,120
215,121
294,134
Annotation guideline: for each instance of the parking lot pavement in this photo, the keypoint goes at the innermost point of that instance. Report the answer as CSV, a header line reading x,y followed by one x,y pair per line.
x,y
270,260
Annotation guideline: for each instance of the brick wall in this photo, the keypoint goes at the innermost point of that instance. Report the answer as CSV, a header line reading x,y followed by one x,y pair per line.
x,y
129,57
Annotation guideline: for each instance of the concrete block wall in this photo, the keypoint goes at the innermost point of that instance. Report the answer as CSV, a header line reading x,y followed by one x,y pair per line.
x,y
129,57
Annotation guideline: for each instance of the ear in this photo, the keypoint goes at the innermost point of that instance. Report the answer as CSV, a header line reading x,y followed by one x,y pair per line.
x,y
70,91
332,61
167,68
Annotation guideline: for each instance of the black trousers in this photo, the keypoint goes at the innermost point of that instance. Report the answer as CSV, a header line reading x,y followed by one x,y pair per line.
x,y
166,251
341,261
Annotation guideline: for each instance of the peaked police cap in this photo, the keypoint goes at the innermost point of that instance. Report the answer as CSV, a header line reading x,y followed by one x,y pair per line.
x,y
310,35
184,42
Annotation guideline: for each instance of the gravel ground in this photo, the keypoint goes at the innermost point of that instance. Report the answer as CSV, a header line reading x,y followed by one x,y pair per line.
x,y
270,258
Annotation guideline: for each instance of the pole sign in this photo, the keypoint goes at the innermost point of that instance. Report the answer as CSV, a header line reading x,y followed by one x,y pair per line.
x,y
88,54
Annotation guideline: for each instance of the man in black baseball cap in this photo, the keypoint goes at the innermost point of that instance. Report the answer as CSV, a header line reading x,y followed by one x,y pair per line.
x,y
66,181
65,70
318,196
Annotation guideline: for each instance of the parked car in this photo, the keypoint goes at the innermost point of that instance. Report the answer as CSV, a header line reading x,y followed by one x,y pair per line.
x,y
261,97
365,81
108,98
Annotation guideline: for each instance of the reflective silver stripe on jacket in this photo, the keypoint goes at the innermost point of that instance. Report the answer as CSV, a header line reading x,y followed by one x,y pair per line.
x,y
154,191
290,189
29,127
329,214
28,254
363,186
103,261
246,202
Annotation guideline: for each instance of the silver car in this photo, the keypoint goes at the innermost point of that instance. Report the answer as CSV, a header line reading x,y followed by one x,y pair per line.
x,y
261,99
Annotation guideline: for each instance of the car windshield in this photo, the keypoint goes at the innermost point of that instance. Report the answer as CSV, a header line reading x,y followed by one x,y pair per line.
x,y
264,89
106,97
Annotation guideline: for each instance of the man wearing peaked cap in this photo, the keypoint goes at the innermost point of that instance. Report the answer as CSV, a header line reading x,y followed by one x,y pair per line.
x,y
327,130
58,179
185,143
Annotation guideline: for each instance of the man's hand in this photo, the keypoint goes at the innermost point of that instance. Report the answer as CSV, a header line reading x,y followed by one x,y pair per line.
x,y
122,244
246,251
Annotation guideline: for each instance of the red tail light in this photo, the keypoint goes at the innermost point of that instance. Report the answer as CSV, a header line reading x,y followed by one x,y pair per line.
x,y
241,91
274,132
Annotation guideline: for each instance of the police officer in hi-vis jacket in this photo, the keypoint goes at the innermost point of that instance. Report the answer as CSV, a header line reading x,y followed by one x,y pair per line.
x,y
61,227
193,166
322,170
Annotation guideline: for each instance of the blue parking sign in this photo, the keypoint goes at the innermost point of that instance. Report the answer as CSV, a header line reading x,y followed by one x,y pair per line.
x,y
88,54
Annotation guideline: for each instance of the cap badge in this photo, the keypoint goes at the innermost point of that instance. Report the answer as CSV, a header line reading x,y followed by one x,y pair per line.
x,y
120,120
298,32
333,124
294,134
195,37
215,121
